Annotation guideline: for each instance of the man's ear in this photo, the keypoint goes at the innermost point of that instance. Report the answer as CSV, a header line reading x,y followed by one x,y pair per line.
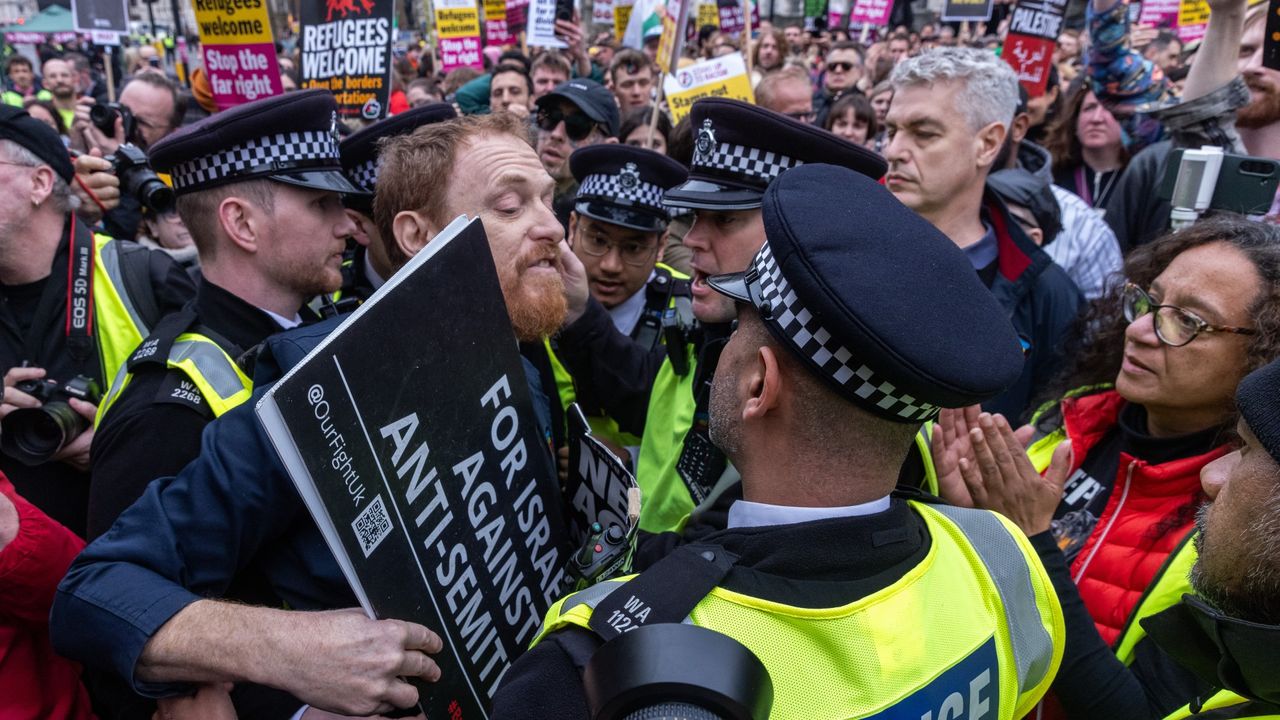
x,y
41,184
241,222
412,231
573,227
988,142
362,223
764,385
662,244
1021,124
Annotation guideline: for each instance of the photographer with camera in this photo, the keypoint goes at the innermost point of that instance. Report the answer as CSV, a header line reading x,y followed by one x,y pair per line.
x,y
74,305
150,108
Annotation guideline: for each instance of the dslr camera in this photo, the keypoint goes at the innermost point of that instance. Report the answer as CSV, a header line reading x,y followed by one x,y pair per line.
x,y
137,178
104,117
34,435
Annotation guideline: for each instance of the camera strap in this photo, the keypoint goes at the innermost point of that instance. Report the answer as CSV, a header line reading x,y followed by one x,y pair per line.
x,y
79,313
77,255
665,593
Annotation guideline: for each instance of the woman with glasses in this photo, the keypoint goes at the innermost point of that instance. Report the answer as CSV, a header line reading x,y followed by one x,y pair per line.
x,y
1150,403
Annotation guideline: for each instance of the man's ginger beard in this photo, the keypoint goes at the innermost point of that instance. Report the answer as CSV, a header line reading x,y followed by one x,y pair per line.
x,y
535,303
1263,108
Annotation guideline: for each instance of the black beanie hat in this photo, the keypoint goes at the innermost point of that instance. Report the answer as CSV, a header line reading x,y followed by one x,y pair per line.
x,y
40,139
1258,398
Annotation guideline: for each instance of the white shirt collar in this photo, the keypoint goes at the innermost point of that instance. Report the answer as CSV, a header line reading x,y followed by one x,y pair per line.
x,y
283,321
745,514
626,314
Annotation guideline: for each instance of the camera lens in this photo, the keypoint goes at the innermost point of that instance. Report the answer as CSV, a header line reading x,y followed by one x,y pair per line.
x,y
104,117
673,711
34,435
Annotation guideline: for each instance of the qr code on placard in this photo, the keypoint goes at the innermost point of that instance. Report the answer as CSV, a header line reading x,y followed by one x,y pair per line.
x,y
372,525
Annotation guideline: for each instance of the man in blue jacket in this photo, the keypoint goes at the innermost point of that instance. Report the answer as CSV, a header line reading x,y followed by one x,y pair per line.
x,y
951,111
143,601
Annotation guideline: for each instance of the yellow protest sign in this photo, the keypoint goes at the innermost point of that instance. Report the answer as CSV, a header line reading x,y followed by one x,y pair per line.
x,y
233,23
1192,12
457,18
621,16
495,10
724,77
708,14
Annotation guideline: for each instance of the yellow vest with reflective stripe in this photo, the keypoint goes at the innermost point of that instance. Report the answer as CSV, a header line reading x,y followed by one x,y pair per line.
x,y
606,427
120,327
1223,699
219,380
995,640
667,502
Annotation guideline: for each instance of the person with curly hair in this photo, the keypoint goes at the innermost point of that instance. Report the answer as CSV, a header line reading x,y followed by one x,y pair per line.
x,y
1149,402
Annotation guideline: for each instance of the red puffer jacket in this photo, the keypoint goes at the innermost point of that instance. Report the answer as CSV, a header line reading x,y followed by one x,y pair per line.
x,y
1133,536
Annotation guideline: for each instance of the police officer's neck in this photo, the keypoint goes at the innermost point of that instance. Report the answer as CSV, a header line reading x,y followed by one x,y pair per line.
x,y
802,469
247,282
27,251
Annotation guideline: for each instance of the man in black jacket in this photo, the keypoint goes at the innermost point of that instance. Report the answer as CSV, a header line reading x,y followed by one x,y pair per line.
x,y
72,304
951,111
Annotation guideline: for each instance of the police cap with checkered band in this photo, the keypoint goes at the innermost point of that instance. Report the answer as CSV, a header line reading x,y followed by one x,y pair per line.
x,y
623,185
738,149
290,138
360,150
874,299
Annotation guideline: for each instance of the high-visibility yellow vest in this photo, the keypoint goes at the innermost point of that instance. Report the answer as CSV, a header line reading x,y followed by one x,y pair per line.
x,y
1220,701
213,372
667,502
119,325
17,99
990,650
601,426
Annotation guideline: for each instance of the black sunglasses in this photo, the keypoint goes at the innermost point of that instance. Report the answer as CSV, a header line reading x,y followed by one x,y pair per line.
x,y
577,125
841,66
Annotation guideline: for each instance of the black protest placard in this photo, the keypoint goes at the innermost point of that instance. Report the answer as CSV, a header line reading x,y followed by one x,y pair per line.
x,y
101,15
1034,27
598,483
346,48
961,10
411,437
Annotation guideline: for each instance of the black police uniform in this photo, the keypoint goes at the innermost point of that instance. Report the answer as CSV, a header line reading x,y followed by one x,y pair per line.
x,y
152,429
36,324
829,286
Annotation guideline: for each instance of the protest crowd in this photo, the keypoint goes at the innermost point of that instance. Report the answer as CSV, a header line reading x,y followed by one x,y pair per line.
x,y
942,344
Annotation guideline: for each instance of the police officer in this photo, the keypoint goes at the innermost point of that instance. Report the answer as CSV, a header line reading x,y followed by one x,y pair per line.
x,y
618,229
844,344
270,234
739,150
74,303
152,612
369,263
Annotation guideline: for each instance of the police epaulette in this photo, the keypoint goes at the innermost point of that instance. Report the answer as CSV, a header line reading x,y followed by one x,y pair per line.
x,y
155,349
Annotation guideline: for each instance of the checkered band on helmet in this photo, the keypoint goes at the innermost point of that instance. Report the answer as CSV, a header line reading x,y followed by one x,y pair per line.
x,y
802,329
762,166
313,147
628,190
364,175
